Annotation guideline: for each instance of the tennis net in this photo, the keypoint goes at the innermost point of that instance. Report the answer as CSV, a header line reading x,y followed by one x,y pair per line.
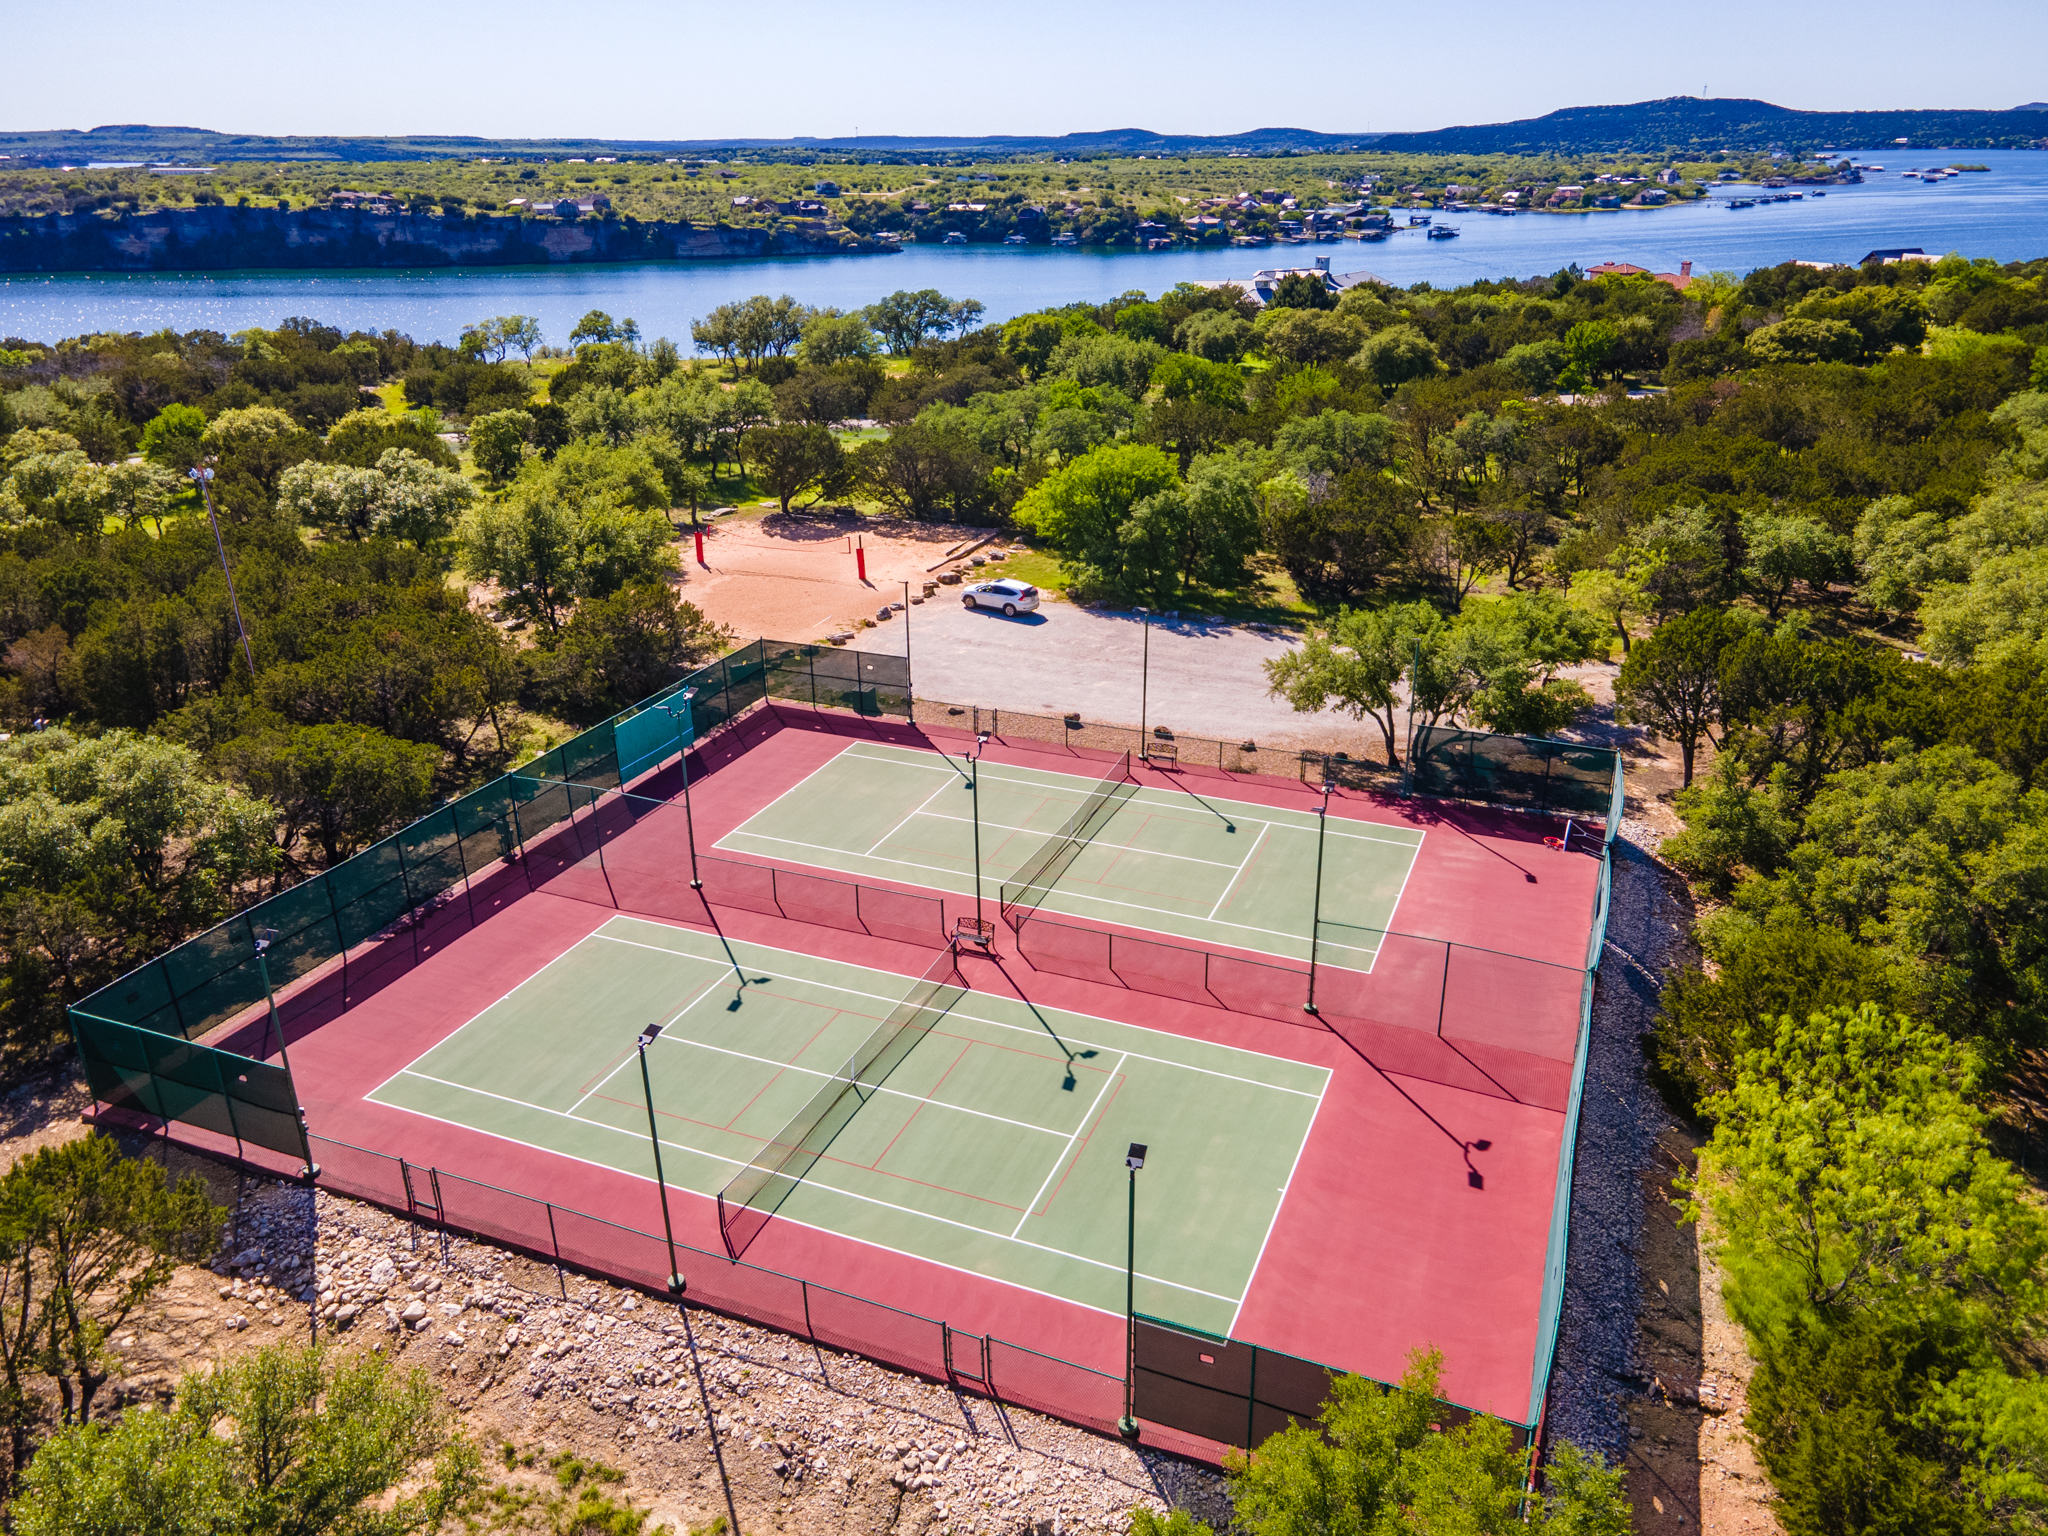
x,y
757,1191
1042,871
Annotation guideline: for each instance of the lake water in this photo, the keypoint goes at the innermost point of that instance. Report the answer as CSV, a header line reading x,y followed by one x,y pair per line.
x,y
2002,214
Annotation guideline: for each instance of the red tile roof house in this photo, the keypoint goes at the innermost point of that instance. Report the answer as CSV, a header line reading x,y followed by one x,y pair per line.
x,y
1681,279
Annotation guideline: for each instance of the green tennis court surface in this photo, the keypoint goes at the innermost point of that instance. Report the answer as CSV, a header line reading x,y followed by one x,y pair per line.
x,y
996,1146
1206,869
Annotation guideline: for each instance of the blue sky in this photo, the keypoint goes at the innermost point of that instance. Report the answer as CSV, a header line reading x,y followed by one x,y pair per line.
x,y
638,69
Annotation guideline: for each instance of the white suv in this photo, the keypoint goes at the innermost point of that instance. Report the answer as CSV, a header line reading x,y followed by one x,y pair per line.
x,y
1013,597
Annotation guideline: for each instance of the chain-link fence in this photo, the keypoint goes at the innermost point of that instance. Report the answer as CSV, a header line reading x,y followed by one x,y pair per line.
x,y
574,1240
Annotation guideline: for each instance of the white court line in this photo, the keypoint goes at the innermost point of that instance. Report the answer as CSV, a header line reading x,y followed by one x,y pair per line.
x,y
1260,1257
1062,891
1108,1077
1150,795
810,1183
621,1062
1093,842
927,800
1241,863
790,1066
487,1007
1022,1029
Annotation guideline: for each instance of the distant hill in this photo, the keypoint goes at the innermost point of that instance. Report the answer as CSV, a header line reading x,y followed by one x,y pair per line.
x,y
1694,124
135,141
1675,125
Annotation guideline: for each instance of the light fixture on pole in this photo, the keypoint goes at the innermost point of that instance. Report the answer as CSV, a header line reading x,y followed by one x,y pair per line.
x,y
1315,921
202,476
675,1275
264,938
1127,1426
1144,679
980,931
686,734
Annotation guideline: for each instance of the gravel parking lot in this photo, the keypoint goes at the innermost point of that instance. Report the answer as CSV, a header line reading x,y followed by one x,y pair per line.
x,y
1206,678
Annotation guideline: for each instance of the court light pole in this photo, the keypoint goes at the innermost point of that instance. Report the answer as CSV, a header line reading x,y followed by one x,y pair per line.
x,y
265,937
1127,1426
974,788
1315,922
675,1275
1144,678
687,735
202,476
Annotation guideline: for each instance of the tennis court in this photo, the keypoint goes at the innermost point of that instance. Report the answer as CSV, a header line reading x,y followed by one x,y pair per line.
x,y
1203,868
995,1144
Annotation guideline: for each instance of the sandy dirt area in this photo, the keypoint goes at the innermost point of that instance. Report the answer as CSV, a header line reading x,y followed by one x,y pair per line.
x,y
795,576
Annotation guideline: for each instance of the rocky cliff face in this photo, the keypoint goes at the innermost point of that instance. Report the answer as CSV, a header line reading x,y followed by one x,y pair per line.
x,y
221,239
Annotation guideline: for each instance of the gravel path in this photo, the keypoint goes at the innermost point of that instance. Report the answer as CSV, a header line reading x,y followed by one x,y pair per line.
x,y
1620,1119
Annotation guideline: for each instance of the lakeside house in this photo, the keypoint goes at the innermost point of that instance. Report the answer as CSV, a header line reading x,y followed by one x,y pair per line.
x,y
1888,257
1259,288
1680,280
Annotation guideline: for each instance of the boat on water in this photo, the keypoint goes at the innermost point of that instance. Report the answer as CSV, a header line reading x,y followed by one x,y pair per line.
x,y
954,237
1741,202
1014,239
1442,232
1065,238
1416,219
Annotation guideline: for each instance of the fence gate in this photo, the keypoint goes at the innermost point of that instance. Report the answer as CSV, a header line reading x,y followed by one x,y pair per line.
x,y
422,1191
966,1355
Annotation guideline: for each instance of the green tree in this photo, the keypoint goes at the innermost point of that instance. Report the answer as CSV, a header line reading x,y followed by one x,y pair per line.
x,y
792,460
101,1233
404,497
1357,664
1507,653
1301,290
1398,355
595,326
1938,860
1205,531
1805,341
906,319
830,337
1615,596
1849,1170
1376,1462
345,786
1214,336
624,647
173,437
1785,549
497,444
546,552
919,470
1671,681
1337,542
1536,364
1082,508
111,848
290,1442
